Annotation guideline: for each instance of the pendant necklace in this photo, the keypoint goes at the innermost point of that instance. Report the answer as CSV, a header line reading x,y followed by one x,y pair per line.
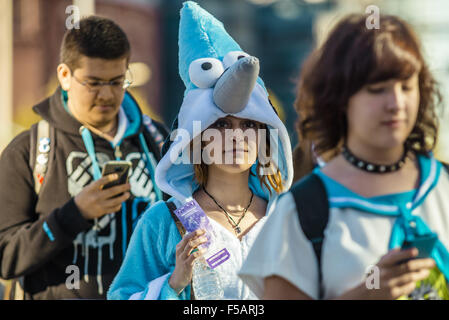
x,y
231,221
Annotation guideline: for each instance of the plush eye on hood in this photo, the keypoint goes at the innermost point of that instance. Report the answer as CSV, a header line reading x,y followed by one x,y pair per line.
x,y
205,72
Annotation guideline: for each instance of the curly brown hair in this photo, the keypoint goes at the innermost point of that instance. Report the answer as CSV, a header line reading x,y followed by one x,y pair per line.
x,y
354,56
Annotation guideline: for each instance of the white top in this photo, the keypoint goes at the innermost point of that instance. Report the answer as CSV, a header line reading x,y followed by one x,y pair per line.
x,y
233,286
354,241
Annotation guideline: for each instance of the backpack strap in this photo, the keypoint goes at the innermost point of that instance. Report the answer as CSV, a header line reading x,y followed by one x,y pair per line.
x,y
172,207
41,152
312,206
182,231
40,159
154,131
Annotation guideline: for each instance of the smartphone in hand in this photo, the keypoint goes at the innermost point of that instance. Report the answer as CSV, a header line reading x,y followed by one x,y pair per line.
x,y
424,244
121,168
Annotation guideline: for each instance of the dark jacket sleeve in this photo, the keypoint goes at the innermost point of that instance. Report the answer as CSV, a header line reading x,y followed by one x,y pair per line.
x,y
29,240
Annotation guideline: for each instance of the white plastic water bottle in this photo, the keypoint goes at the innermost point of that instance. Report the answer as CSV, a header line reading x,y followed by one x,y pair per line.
x,y
205,281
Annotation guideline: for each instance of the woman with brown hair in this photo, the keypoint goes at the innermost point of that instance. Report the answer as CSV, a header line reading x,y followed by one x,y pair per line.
x,y
367,99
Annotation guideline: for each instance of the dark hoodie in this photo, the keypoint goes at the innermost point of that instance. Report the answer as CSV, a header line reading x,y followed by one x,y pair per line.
x,y
43,237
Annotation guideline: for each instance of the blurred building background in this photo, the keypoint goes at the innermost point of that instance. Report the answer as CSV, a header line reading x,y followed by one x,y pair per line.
x,y
38,28
281,33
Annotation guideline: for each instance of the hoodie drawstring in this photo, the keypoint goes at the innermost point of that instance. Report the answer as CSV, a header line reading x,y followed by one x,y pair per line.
x,y
150,164
89,143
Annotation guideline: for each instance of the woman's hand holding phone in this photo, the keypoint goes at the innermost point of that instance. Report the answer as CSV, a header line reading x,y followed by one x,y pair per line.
x,y
399,272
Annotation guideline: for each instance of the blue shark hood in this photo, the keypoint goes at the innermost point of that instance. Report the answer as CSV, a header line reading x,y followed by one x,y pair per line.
x,y
201,36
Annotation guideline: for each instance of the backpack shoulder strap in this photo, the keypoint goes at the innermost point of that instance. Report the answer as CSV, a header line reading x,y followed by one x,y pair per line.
x,y
312,206
40,158
154,131
41,152
172,207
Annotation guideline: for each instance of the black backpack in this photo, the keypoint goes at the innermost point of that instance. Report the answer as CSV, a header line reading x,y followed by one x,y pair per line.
x,y
312,206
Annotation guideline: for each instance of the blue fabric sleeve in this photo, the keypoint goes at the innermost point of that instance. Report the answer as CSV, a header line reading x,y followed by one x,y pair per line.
x,y
150,255
167,292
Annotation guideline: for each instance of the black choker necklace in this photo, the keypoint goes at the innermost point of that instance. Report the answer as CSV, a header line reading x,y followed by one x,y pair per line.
x,y
371,167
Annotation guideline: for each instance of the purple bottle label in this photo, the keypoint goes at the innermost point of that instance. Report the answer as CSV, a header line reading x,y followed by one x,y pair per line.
x,y
192,218
216,259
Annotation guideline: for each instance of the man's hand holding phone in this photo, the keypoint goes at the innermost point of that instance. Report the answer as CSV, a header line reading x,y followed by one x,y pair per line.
x,y
94,201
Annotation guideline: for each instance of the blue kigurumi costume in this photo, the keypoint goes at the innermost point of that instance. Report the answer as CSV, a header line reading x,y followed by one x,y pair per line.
x,y
220,80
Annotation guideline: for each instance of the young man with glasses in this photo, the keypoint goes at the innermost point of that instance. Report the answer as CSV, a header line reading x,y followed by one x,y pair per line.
x,y
61,233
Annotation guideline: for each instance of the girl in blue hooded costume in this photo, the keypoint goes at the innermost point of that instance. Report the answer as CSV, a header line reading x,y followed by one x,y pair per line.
x,y
223,91
367,101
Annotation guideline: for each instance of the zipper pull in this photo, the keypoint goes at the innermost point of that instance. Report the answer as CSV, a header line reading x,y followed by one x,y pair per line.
x,y
117,152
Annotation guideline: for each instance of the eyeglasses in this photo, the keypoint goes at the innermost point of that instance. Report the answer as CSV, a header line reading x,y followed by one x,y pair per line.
x,y
96,85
